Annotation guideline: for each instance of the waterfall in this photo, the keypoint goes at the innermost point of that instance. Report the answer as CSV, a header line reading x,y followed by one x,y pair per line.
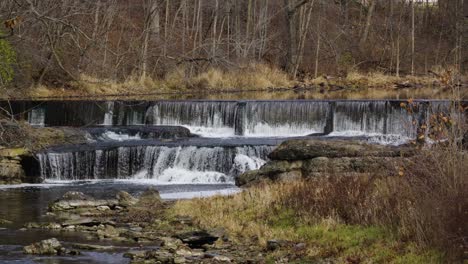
x,y
218,119
185,164
256,119
374,118
288,118
109,115
211,119
36,117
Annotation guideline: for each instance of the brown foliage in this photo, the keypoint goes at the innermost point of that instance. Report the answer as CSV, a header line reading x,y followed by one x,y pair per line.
x,y
428,203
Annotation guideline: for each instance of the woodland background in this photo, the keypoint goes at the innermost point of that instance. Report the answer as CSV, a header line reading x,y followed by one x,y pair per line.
x,y
54,42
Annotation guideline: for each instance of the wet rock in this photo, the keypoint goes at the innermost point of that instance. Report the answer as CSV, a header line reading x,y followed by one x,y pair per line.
x,y
135,254
81,221
107,231
63,205
5,222
103,208
222,259
93,247
32,225
76,196
53,226
125,199
249,177
273,245
161,256
171,243
179,260
150,196
46,247
196,239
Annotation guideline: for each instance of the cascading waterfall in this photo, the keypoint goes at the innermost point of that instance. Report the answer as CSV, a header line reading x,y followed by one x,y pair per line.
x,y
188,164
121,150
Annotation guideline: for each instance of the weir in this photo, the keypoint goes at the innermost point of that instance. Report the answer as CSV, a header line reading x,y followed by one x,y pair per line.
x,y
207,141
184,164
238,118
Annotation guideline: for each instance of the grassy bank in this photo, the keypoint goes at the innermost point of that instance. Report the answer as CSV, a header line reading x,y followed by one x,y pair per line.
x,y
245,78
414,218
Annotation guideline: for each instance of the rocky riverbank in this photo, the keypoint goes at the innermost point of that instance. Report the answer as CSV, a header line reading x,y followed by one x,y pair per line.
x,y
303,158
19,142
145,225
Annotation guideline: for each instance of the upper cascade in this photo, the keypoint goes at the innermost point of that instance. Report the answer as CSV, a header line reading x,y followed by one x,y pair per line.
x,y
241,118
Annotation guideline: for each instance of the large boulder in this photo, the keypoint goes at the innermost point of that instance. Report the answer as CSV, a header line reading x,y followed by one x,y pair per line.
x,y
150,197
303,149
78,200
125,199
11,170
296,159
48,247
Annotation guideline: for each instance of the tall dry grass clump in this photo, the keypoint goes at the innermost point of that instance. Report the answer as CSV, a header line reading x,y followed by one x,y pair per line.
x,y
248,77
427,203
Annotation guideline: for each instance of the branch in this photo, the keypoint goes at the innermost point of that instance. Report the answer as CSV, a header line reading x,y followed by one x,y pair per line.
x,y
294,9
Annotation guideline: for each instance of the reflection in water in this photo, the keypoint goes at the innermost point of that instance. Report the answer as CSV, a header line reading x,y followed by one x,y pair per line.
x,y
282,94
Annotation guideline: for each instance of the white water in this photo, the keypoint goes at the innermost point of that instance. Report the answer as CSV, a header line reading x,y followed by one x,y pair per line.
x,y
177,165
109,115
212,132
392,139
286,130
36,117
112,136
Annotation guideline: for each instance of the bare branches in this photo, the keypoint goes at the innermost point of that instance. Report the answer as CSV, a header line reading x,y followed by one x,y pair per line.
x,y
112,39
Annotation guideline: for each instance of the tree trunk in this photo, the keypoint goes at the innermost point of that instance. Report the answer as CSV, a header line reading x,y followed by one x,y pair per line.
x,y
365,34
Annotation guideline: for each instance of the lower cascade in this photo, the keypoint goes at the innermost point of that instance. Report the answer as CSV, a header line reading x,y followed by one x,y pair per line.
x,y
184,164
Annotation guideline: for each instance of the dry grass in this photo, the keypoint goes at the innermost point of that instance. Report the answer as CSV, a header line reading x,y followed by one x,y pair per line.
x,y
358,80
328,214
248,77
408,215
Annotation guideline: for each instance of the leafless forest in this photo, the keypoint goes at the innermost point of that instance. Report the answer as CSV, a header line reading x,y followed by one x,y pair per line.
x,y
56,41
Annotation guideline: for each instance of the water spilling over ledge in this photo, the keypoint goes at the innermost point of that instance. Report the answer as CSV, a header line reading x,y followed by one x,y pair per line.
x,y
154,140
182,164
241,118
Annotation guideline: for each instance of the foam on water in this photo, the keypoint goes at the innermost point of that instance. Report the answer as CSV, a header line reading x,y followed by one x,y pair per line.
x,y
212,132
112,136
390,139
